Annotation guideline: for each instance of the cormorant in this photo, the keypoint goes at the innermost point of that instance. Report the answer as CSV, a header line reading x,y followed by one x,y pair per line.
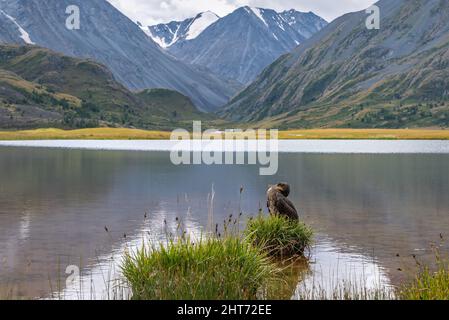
x,y
278,204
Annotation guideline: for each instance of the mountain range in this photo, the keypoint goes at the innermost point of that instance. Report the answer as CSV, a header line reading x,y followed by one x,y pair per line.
x,y
299,71
240,45
110,38
349,76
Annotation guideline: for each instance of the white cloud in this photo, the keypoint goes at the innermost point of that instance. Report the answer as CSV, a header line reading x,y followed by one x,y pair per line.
x,y
151,12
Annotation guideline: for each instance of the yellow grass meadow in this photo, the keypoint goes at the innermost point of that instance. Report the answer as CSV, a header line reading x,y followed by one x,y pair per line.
x,y
312,134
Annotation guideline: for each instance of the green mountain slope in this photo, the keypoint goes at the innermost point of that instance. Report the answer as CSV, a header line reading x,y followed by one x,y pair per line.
x,y
40,88
169,104
349,76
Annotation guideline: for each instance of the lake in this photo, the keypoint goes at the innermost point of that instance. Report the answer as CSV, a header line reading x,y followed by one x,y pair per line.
x,y
367,200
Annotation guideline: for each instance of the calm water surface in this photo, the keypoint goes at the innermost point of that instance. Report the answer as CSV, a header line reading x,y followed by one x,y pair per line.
x,y
366,208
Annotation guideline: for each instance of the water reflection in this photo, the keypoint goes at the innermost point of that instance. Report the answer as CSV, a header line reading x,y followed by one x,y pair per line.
x,y
55,205
336,271
103,279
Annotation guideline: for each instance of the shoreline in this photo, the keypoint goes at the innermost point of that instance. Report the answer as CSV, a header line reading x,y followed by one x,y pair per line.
x,y
303,134
248,146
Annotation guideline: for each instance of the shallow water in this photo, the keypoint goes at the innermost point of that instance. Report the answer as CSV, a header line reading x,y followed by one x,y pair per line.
x,y
366,207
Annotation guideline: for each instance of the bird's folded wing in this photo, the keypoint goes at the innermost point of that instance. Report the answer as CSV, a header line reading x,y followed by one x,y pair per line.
x,y
285,206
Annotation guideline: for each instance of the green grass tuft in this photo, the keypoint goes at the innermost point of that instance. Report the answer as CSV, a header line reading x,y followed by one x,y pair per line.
x,y
428,285
279,236
211,269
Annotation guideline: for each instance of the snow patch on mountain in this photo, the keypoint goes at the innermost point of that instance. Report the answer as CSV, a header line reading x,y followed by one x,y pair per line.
x,y
201,22
23,34
259,14
166,35
160,40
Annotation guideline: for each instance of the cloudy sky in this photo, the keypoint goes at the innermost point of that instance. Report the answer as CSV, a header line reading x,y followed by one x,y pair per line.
x,y
151,12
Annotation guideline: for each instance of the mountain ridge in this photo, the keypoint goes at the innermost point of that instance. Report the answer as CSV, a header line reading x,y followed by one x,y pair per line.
x,y
167,34
239,45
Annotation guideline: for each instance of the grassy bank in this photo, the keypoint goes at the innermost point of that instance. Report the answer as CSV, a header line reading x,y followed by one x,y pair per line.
x,y
85,134
428,284
362,134
313,134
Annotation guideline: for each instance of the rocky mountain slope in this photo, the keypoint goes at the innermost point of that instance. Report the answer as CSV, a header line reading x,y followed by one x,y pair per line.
x,y
349,76
240,45
110,38
306,23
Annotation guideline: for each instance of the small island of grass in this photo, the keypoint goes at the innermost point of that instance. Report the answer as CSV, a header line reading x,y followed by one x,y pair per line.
x,y
279,236
211,269
230,267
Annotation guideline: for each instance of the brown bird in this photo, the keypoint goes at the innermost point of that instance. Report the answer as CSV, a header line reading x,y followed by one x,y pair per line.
x,y
278,204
